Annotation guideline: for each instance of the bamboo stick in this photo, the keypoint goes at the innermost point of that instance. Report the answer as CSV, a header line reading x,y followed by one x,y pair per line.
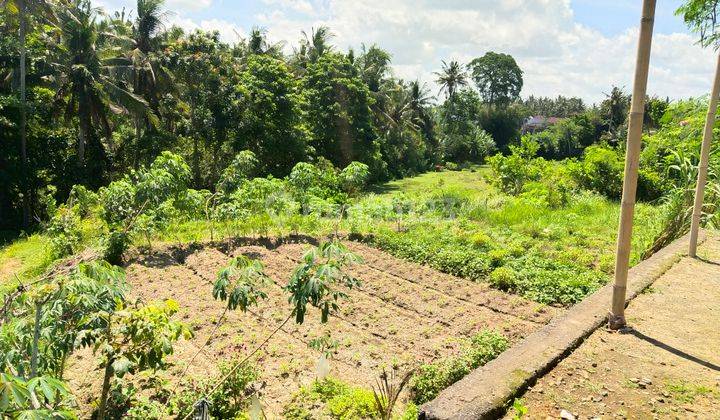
x,y
704,158
632,157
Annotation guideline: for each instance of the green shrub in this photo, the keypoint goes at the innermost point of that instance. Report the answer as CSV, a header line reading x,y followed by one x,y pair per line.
x,y
118,201
192,203
64,232
480,240
503,278
354,177
428,243
243,166
600,170
498,256
146,409
434,377
552,190
333,399
83,198
228,401
354,403
510,173
651,185
451,166
114,245
548,281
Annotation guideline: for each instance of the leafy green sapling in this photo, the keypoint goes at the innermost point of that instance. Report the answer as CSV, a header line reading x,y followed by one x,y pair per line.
x,y
42,397
132,340
240,283
315,281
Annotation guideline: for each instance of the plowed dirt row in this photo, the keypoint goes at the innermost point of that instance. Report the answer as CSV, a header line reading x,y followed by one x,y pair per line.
x,y
403,314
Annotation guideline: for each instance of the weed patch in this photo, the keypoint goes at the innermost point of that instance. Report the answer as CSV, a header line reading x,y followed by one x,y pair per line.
x,y
434,377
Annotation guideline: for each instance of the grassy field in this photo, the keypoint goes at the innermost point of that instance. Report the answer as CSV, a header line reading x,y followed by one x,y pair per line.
x,y
453,221
458,223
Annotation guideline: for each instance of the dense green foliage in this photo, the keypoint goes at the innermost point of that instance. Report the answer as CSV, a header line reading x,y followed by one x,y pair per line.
x,y
334,399
115,93
498,78
434,377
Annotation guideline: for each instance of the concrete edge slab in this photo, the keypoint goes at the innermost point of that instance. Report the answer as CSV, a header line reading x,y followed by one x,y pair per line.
x,y
486,392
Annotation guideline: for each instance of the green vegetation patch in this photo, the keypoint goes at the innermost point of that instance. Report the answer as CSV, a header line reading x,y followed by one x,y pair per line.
x,y
337,400
433,377
686,392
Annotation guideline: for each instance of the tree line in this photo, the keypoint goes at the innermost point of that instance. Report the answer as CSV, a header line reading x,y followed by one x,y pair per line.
x,y
85,95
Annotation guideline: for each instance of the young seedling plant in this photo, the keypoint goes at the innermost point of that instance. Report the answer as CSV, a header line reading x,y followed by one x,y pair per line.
x,y
132,339
317,281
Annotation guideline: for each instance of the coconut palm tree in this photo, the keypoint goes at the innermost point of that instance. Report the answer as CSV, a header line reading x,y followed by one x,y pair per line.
x,y
139,65
419,98
317,43
84,80
257,43
451,78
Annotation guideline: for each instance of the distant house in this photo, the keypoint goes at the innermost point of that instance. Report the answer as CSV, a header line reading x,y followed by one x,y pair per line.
x,y
538,123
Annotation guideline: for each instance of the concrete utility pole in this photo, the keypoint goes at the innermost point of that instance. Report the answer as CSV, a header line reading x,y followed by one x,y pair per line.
x,y
634,139
704,158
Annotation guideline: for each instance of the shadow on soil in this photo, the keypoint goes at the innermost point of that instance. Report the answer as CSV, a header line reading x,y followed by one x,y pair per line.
x,y
707,261
166,256
673,350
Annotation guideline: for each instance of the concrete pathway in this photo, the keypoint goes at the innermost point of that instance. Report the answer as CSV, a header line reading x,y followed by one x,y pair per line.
x,y
667,365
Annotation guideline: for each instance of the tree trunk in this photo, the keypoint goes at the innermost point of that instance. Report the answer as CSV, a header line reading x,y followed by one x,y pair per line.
x,y
138,134
632,157
36,340
704,158
216,154
23,117
102,406
196,157
83,134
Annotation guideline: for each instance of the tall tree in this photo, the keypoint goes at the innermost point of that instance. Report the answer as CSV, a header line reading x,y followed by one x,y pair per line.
x,y
338,111
315,44
374,66
257,43
422,116
21,8
451,78
497,77
205,72
140,64
271,116
85,81
402,145
615,109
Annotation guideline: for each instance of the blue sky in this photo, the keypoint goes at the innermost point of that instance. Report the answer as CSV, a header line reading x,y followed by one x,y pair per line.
x,y
615,16
568,47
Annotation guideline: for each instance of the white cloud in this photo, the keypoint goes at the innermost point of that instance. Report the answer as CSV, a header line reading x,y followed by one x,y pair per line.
x,y
173,5
557,55
188,5
301,6
229,32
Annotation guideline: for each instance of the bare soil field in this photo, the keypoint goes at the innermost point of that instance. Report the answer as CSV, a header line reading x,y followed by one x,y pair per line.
x,y
403,314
